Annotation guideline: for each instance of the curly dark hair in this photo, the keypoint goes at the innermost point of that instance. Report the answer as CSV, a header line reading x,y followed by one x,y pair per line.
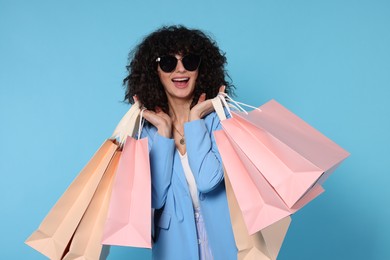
x,y
143,79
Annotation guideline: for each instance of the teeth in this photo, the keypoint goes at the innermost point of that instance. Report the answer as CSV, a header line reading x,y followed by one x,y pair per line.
x,y
180,79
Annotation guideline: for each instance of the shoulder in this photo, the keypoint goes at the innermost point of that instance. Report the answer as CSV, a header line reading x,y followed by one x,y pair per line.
x,y
212,121
148,130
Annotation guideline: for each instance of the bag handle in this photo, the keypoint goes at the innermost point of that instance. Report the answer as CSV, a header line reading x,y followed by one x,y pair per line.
x,y
238,104
225,98
128,124
218,107
219,103
141,123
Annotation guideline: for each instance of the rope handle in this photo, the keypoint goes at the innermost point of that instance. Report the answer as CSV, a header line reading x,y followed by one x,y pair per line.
x,y
229,103
223,100
239,104
141,123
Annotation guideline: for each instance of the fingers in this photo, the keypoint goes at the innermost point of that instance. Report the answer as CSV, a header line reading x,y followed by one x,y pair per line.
x,y
152,117
200,110
203,95
202,98
149,116
157,118
160,120
162,114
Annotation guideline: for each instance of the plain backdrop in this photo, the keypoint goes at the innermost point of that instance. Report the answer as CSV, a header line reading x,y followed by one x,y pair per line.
x,y
61,70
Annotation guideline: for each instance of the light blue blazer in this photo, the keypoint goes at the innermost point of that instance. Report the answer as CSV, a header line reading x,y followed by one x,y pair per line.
x,y
175,229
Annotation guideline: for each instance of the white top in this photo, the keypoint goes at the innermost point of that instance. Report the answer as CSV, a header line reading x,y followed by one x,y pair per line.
x,y
190,179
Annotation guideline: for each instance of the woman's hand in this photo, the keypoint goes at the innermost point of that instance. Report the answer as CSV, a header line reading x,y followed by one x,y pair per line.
x,y
203,107
160,120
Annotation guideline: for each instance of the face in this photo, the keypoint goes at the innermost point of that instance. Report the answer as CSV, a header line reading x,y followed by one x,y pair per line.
x,y
179,83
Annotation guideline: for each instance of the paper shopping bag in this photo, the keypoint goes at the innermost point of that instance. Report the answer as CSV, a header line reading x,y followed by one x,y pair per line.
x,y
274,235
53,238
56,230
299,156
128,221
292,173
86,242
259,203
262,245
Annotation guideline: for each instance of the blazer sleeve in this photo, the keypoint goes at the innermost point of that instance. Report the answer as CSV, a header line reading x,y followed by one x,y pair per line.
x,y
161,154
203,156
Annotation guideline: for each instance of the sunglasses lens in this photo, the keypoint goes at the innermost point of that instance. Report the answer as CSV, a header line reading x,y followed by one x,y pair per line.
x,y
168,63
191,62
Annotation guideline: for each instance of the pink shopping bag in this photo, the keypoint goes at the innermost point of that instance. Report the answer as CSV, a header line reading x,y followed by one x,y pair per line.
x,y
282,158
129,216
73,225
290,174
259,203
262,245
293,156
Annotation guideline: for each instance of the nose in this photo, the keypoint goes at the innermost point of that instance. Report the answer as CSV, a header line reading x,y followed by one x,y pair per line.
x,y
180,66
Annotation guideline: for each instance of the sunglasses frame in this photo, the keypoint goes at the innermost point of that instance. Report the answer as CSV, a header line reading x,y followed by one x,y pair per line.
x,y
182,59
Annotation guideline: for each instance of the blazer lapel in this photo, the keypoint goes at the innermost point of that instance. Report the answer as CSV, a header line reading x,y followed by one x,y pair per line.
x,y
179,172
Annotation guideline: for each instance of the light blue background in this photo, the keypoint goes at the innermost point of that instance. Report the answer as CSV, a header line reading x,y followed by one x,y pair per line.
x,y
61,66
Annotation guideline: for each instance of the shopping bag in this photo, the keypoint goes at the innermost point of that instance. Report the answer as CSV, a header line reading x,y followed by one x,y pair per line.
x,y
290,174
260,204
54,235
56,230
86,241
262,245
284,125
128,220
292,156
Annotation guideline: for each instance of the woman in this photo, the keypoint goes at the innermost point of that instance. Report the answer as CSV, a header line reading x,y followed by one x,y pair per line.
x,y
174,72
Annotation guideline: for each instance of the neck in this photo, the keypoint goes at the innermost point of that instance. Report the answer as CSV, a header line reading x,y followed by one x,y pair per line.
x,y
179,110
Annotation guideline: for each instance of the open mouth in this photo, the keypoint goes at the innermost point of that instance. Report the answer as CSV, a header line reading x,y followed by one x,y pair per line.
x,y
180,80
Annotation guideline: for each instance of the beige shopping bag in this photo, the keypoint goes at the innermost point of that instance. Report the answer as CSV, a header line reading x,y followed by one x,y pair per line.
x,y
264,244
57,229
86,242
53,238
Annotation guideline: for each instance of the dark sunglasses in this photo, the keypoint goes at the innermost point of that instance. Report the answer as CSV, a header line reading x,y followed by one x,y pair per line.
x,y
168,63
